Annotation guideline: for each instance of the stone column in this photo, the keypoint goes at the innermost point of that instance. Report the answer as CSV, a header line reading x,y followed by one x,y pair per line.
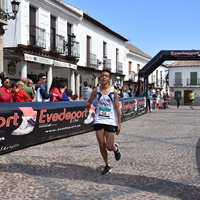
x,y
23,69
2,23
77,85
49,77
72,82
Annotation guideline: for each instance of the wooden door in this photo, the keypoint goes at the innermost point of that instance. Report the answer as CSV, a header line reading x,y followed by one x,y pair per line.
x,y
186,98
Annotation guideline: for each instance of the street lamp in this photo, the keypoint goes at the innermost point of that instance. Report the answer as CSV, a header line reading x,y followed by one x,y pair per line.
x,y
15,8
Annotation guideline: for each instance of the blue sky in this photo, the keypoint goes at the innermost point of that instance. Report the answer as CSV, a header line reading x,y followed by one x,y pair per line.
x,y
151,25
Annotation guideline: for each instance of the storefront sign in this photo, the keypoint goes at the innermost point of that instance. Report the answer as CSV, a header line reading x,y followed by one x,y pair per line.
x,y
64,64
38,59
47,61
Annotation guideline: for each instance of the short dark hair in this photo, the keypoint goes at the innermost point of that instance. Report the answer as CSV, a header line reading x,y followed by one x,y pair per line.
x,y
106,70
3,80
85,83
41,75
63,84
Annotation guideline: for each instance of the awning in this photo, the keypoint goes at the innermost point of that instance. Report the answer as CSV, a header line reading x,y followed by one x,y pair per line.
x,y
47,61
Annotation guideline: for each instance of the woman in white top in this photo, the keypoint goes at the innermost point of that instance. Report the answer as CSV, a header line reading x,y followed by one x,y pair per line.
x,y
107,121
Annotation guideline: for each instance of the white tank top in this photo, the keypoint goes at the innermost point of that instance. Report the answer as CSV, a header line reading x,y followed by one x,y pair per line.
x,y
105,109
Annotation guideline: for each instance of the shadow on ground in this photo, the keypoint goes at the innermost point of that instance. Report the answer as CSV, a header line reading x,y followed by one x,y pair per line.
x,y
136,183
198,156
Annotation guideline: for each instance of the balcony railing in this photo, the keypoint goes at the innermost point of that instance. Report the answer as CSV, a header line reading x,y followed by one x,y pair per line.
x,y
119,68
107,64
92,60
37,37
160,82
60,48
132,76
193,81
178,82
75,50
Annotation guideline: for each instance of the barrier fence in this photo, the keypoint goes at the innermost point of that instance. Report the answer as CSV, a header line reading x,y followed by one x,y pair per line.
x,y
26,124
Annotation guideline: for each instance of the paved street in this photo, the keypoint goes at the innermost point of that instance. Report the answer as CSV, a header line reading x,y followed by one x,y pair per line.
x,y
160,160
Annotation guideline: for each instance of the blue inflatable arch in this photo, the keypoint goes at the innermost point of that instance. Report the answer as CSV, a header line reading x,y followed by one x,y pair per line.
x,y
158,60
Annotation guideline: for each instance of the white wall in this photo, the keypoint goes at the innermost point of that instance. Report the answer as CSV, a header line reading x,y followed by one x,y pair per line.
x,y
98,36
185,74
18,30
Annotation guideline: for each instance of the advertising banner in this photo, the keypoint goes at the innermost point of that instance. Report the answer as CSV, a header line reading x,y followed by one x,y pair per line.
x,y
31,123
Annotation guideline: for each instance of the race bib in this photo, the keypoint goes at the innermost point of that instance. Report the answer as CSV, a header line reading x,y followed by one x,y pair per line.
x,y
104,112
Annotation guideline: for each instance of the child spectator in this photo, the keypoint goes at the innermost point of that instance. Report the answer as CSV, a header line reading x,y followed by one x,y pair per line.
x,y
20,95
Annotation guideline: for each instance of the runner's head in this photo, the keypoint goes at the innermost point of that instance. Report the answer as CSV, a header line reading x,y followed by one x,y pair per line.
x,y
105,76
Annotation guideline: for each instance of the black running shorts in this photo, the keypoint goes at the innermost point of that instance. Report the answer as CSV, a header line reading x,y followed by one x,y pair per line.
x,y
108,128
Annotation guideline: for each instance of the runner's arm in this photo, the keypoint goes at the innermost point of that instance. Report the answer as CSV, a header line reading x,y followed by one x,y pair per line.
x,y
92,97
116,102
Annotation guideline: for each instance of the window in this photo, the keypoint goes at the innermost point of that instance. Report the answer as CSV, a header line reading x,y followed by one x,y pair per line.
x,y
193,78
161,78
32,22
157,81
104,50
53,33
117,58
69,33
104,54
130,67
177,94
138,68
178,78
88,50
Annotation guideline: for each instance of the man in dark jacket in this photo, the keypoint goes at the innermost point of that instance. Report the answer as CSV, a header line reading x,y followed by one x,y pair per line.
x,y
41,89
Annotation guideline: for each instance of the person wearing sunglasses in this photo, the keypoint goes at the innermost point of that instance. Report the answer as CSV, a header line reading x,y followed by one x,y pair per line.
x,y
6,94
41,92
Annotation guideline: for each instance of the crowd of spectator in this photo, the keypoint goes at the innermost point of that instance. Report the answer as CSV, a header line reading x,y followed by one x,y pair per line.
x,y
156,100
25,90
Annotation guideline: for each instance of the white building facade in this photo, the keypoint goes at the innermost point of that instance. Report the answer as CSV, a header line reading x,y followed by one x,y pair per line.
x,y
101,48
38,41
59,40
136,59
184,76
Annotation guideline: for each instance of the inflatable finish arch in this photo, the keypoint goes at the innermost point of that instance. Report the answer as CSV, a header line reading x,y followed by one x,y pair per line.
x,y
158,60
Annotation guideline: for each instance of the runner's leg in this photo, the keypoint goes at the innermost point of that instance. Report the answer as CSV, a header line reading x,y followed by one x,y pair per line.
x,y
102,145
110,139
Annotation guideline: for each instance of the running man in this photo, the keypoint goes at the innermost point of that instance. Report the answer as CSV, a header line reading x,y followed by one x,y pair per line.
x,y
107,120
191,97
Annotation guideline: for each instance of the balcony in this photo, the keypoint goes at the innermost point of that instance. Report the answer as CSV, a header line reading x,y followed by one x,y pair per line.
x,y
119,68
74,51
92,60
178,82
37,37
193,81
107,64
160,82
132,76
57,44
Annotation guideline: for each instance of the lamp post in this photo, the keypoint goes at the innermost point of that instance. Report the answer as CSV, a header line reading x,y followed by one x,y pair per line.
x,y
15,8
4,17
68,44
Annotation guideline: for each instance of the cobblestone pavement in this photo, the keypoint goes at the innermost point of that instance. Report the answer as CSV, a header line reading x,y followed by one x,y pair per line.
x,y
160,160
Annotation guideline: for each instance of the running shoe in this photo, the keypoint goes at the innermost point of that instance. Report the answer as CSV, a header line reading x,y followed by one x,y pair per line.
x,y
27,126
90,118
117,152
106,170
